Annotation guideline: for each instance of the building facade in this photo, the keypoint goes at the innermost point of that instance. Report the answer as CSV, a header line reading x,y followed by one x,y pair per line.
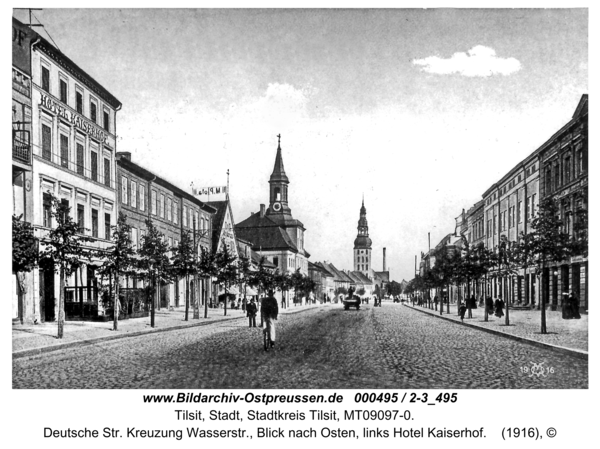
x,y
22,170
73,128
273,231
143,196
564,170
363,245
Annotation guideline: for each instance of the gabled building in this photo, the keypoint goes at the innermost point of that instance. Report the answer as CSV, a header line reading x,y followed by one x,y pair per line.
x,y
273,231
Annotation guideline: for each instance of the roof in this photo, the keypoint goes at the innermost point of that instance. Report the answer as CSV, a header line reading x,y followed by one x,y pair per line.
x,y
363,278
278,174
256,257
382,275
221,208
66,62
146,174
267,234
319,268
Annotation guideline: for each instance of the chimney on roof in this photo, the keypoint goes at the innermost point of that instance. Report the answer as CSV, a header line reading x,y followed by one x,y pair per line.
x,y
262,210
124,155
383,259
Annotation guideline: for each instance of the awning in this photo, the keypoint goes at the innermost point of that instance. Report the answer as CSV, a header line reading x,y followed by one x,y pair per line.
x,y
250,291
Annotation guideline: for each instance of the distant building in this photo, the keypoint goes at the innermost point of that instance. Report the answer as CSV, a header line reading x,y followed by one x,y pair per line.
x,y
363,245
273,231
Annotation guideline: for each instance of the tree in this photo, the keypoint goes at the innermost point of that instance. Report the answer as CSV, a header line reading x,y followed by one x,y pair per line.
x,y
119,260
64,248
442,272
226,271
262,278
505,264
207,269
484,259
25,251
545,243
154,262
183,264
297,281
283,283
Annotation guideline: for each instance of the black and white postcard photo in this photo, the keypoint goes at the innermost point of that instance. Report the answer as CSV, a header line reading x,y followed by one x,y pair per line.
x,y
256,225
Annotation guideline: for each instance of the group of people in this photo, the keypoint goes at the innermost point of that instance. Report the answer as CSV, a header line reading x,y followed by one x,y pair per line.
x,y
570,307
269,310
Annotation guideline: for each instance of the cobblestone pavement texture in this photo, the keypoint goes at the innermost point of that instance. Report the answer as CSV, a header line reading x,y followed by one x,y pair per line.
x,y
527,323
30,336
323,347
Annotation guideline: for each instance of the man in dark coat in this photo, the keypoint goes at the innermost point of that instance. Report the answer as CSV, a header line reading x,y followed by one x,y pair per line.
x,y
269,311
499,305
574,302
251,310
567,310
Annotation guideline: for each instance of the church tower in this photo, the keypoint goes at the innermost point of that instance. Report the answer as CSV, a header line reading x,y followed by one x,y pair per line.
x,y
362,244
278,186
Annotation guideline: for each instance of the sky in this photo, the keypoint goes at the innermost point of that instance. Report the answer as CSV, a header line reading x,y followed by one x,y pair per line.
x,y
419,110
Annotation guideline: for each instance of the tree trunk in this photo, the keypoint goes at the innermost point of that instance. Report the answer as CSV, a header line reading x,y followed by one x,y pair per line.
x,y
542,297
152,303
506,317
61,303
187,297
206,305
116,304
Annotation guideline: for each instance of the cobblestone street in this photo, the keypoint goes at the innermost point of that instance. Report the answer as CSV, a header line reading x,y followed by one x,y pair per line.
x,y
388,347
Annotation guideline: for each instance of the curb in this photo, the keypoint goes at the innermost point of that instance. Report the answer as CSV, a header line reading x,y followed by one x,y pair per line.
x,y
574,352
45,349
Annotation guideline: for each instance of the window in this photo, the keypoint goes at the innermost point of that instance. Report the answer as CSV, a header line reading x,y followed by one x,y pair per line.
x,y
124,195
276,261
580,160
520,212
95,223
94,165
80,161
107,226
106,119
161,206
134,238
133,201
65,203
47,210
63,91
153,202
79,102
80,217
175,212
277,194
107,172
185,216
93,112
169,206
64,151
46,79
567,169
142,197
532,204
196,219
46,142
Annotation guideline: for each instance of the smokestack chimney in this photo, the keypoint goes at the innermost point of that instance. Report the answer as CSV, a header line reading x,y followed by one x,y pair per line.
x,y
384,259
262,210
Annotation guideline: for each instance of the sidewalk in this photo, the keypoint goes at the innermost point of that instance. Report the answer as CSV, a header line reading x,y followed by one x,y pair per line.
x,y
31,339
525,325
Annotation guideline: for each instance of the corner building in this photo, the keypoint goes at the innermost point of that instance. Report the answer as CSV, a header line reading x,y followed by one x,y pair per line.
x,y
74,143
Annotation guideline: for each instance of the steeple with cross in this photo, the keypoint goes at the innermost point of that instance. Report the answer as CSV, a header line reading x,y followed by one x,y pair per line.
x,y
278,186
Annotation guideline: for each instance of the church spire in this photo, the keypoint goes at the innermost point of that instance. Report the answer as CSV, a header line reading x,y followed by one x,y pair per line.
x,y
278,174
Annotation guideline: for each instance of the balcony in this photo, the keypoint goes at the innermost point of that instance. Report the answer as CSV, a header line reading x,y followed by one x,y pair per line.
x,y
21,150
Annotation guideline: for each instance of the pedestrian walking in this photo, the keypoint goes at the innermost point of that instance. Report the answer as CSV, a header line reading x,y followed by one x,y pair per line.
x,y
499,306
574,302
567,308
461,311
251,310
269,312
471,304
435,301
489,304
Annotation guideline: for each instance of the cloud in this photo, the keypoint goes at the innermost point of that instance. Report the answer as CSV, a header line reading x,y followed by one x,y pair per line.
x,y
478,61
